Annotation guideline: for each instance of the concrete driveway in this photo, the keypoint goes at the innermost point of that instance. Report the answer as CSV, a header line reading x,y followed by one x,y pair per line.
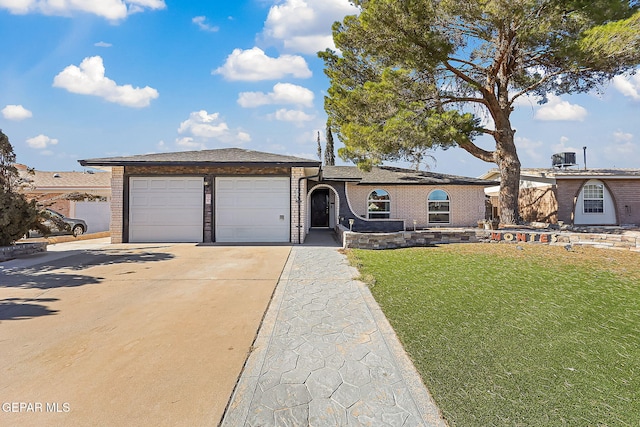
x,y
153,334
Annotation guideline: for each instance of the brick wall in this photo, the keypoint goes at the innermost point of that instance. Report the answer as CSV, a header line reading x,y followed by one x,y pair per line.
x,y
298,210
625,193
409,202
626,196
44,199
117,206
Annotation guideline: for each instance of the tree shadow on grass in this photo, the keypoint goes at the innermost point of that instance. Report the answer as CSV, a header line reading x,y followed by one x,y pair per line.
x,y
24,308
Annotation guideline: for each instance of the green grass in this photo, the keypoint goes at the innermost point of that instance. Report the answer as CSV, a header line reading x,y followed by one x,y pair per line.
x,y
535,336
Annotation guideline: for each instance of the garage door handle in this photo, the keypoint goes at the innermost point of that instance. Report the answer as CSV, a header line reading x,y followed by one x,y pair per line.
x,y
282,217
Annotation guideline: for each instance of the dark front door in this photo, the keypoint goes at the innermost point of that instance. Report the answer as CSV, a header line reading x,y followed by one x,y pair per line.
x,y
320,208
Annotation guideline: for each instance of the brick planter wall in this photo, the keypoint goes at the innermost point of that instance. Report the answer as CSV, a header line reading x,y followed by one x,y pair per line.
x,y
21,249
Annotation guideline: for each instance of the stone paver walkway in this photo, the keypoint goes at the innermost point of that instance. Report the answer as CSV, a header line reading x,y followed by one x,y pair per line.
x,y
326,356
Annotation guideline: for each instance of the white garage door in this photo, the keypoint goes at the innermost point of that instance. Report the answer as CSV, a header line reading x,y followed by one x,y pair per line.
x,y
252,209
166,209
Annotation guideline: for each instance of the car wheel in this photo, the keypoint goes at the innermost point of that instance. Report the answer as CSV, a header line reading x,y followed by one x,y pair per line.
x,y
77,230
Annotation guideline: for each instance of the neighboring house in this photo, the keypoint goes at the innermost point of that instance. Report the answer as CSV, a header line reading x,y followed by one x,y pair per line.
x,y
237,195
54,190
577,196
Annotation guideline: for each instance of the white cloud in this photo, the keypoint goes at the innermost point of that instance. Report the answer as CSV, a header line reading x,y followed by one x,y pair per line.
x,y
203,124
628,85
557,109
162,146
622,149
563,146
102,44
16,112
620,136
292,116
190,144
253,65
202,127
531,148
283,93
304,25
200,21
110,9
89,79
243,136
41,141
527,100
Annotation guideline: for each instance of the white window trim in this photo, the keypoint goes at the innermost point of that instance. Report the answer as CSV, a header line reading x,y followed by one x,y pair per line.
x,y
370,200
585,198
448,212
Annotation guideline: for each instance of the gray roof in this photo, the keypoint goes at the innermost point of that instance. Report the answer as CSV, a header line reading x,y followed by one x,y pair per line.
x,y
569,173
219,157
393,175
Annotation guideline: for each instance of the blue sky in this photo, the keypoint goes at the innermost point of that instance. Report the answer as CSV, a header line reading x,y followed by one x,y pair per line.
x,y
102,78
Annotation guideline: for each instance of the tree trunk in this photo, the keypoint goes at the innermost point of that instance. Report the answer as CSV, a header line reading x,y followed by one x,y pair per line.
x,y
508,163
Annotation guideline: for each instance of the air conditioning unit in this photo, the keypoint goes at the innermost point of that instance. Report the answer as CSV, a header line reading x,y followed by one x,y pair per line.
x,y
563,160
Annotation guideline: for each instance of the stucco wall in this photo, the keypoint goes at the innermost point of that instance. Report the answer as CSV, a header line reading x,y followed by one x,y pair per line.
x,y
409,202
625,194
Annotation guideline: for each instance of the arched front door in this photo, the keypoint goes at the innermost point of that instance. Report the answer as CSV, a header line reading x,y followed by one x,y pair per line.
x,y
320,208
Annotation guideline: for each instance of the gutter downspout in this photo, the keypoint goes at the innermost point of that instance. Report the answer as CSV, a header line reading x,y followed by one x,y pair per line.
x,y
318,175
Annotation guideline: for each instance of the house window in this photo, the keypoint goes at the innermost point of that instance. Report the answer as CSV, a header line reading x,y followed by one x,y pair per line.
x,y
438,207
593,196
378,205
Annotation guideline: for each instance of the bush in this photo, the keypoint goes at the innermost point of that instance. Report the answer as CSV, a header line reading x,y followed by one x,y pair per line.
x,y
17,217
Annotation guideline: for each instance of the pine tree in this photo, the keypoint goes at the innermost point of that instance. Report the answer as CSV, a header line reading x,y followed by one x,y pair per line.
x,y
409,73
319,147
17,215
329,155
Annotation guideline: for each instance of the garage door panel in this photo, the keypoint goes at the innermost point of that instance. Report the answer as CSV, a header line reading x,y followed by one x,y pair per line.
x,y
166,209
252,209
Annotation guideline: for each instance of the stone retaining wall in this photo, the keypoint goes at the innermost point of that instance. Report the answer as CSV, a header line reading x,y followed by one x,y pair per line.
x,y
406,239
21,249
430,237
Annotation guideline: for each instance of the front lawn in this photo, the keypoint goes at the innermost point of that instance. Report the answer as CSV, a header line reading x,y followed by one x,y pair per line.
x,y
517,335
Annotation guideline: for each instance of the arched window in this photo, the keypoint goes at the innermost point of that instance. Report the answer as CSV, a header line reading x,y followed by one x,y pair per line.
x,y
378,205
438,207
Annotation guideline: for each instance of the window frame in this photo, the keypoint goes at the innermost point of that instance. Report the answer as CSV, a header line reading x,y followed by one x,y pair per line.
x,y
431,212
588,196
379,214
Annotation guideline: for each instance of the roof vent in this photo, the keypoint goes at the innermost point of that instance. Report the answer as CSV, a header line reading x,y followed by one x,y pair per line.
x,y
563,160
56,175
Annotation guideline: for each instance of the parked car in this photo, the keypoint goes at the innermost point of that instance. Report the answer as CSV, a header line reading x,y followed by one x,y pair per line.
x,y
76,227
